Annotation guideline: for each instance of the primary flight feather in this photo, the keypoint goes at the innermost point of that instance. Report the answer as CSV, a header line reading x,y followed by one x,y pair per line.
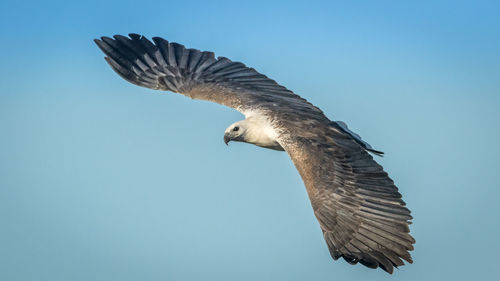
x,y
359,209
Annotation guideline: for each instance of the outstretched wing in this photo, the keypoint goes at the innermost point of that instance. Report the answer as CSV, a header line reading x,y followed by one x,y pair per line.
x,y
359,209
172,67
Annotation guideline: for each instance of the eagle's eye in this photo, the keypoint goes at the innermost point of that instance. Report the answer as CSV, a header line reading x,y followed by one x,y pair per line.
x,y
236,128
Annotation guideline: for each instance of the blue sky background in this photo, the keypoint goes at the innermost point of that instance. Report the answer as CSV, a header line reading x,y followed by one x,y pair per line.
x,y
103,180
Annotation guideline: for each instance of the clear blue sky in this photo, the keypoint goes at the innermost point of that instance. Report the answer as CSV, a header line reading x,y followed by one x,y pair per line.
x,y
103,180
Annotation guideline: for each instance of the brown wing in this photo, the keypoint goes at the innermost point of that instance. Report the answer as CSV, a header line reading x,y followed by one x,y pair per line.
x,y
161,65
359,208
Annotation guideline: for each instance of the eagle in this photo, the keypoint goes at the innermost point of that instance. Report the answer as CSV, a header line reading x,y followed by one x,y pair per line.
x,y
359,209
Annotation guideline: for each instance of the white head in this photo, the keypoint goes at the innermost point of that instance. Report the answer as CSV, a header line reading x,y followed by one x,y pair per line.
x,y
236,132
252,130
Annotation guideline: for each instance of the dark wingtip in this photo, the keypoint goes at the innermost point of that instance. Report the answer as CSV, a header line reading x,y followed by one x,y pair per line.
x,y
376,152
97,42
100,44
135,36
388,269
118,37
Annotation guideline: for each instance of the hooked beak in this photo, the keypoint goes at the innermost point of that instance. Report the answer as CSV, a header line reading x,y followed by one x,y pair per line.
x,y
227,139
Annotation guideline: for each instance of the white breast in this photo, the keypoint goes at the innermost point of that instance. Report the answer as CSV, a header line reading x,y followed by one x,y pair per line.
x,y
260,131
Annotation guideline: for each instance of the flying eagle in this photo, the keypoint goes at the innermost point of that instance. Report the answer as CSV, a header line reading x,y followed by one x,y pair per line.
x,y
359,209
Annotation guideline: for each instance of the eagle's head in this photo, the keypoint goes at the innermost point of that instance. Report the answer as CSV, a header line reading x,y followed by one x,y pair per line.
x,y
235,132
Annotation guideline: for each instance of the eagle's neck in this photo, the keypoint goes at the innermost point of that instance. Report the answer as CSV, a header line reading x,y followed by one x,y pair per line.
x,y
260,132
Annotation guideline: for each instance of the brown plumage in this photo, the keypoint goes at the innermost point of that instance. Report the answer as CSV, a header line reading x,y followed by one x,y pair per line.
x,y
359,209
